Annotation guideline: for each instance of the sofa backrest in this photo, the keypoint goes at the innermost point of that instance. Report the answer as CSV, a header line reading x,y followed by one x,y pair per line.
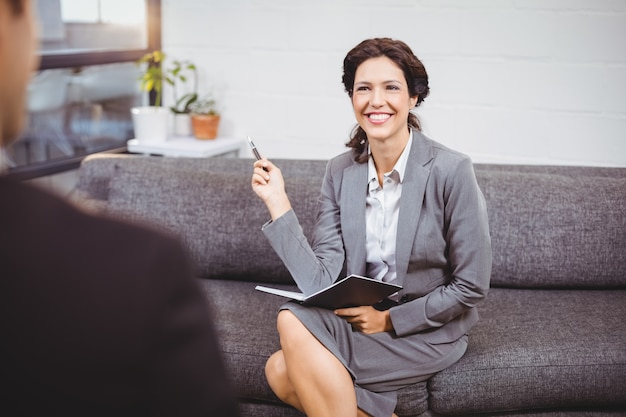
x,y
551,227
207,203
556,227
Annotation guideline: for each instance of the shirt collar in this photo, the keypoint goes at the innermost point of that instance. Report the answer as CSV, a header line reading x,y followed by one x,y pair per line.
x,y
399,167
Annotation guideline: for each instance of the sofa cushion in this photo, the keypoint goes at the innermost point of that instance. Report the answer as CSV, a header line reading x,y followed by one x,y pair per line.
x,y
267,410
539,349
556,231
216,215
246,324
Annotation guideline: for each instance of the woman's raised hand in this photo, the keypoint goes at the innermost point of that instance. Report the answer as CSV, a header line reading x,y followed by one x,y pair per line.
x,y
269,185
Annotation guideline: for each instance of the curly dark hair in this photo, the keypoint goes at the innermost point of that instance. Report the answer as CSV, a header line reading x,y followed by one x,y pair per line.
x,y
414,73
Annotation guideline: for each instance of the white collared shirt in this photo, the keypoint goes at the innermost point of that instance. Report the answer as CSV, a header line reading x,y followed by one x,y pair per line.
x,y
381,217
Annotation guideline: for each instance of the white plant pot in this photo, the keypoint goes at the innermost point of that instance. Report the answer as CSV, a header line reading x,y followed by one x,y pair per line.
x,y
151,123
182,124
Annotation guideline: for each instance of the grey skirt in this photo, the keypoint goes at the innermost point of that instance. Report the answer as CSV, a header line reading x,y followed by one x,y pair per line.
x,y
381,363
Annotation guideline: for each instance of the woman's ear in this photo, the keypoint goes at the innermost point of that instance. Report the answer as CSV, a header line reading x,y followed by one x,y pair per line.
x,y
413,101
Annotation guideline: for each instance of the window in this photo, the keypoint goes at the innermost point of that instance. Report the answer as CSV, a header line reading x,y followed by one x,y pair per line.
x,y
79,101
92,25
103,11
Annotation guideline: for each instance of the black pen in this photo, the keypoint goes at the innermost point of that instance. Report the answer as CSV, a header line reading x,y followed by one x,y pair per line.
x,y
256,153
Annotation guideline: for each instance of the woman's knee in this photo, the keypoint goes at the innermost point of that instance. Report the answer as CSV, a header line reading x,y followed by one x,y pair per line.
x,y
286,320
275,366
288,323
276,374
290,329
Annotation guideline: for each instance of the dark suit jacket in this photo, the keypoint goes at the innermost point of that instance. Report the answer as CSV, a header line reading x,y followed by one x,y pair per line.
x,y
443,256
100,318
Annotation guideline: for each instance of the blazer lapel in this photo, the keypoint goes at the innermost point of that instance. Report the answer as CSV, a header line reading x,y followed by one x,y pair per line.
x,y
413,189
353,194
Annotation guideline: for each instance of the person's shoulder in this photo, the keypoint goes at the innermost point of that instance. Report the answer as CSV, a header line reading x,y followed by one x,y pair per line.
x,y
341,162
440,160
445,163
442,154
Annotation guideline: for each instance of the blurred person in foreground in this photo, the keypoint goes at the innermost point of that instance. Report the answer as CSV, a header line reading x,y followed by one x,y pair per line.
x,y
97,317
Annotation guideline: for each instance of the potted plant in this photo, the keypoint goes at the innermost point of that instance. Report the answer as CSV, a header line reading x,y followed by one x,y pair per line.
x,y
151,122
205,118
177,75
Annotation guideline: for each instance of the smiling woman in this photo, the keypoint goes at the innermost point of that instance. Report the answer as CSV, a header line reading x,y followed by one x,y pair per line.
x,y
381,103
388,209
404,71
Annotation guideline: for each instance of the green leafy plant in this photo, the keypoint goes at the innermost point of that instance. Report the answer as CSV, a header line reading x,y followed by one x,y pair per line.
x,y
179,74
152,78
206,105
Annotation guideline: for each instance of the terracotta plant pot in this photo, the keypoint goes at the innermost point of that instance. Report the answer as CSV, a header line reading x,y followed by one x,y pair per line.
x,y
205,126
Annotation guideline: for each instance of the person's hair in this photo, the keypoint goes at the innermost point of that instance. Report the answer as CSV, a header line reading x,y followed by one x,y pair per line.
x,y
16,6
414,73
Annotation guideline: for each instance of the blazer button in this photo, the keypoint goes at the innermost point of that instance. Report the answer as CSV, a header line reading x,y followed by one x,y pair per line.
x,y
404,298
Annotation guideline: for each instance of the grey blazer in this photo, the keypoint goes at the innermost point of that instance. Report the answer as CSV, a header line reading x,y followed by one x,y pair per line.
x,y
443,245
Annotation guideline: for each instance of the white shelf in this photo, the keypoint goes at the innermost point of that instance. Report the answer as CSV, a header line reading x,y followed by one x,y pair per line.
x,y
188,147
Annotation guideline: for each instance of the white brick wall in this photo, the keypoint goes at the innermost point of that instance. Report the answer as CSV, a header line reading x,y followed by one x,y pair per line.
x,y
521,81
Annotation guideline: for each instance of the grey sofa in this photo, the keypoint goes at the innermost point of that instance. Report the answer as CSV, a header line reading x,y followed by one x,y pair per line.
x,y
552,335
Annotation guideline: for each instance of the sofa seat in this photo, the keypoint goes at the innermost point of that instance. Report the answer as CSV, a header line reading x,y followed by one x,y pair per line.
x,y
542,350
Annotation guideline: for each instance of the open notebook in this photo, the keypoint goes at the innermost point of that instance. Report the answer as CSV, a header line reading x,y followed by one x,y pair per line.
x,y
351,291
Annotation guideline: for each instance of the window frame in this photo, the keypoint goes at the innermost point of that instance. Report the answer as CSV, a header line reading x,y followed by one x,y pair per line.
x,y
81,59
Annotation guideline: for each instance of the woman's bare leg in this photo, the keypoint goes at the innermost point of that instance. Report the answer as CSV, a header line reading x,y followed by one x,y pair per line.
x,y
276,374
313,379
279,381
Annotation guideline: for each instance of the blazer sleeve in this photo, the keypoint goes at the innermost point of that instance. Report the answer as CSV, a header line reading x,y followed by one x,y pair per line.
x,y
318,264
466,232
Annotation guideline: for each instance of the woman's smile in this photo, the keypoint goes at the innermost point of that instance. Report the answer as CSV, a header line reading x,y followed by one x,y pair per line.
x,y
378,118
381,100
